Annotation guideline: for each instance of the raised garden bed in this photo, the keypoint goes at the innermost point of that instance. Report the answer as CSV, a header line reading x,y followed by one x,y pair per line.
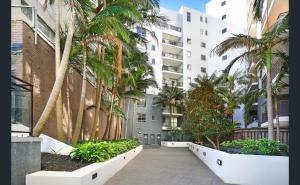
x,y
56,162
244,168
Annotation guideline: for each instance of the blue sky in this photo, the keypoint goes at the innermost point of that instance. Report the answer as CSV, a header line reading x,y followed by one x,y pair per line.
x,y
176,4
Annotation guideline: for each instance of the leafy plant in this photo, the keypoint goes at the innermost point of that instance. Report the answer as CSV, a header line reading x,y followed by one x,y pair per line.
x,y
99,151
258,147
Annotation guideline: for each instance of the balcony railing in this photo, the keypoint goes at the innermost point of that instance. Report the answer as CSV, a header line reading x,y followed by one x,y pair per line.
x,y
173,83
171,55
171,27
172,69
175,110
21,106
171,42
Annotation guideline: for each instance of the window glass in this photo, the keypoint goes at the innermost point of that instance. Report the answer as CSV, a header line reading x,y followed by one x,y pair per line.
x,y
201,19
141,102
153,61
203,57
141,117
188,17
223,3
224,17
153,47
203,69
224,57
141,31
188,40
224,30
189,66
203,45
206,32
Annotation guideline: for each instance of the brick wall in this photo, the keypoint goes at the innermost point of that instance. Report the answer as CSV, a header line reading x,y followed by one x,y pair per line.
x,y
38,68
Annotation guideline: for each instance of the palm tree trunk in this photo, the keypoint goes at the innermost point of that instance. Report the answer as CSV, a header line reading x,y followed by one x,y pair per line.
x,y
98,106
109,117
277,117
172,136
58,82
78,123
59,106
269,96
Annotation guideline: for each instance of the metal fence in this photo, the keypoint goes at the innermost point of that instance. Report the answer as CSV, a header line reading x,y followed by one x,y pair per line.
x,y
21,106
259,133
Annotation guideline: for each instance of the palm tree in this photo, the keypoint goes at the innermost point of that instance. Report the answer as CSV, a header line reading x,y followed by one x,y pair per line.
x,y
59,75
277,86
260,51
172,97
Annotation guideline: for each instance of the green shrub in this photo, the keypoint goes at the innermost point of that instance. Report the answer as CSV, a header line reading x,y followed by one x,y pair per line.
x,y
259,147
99,151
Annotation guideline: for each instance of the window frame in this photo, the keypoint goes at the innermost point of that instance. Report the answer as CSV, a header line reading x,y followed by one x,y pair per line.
x,y
141,118
188,17
203,57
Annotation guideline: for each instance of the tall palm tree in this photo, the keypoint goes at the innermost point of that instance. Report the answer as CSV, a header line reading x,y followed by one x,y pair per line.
x,y
277,87
261,51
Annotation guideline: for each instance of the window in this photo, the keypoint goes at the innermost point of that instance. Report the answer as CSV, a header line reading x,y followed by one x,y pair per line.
x,y
153,47
141,117
189,66
188,40
153,117
205,19
206,32
141,31
224,17
224,30
203,69
188,16
141,102
45,29
189,54
189,80
203,45
201,19
201,31
224,57
153,61
203,57
223,3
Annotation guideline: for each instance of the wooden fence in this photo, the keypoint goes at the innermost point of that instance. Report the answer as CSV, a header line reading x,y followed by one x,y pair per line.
x,y
259,133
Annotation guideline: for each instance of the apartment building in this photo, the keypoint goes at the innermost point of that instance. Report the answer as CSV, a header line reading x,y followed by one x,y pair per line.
x,y
179,53
271,11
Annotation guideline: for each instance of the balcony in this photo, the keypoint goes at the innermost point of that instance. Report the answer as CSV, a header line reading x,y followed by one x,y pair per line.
x,y
176,112
171,42
171,27
172,56
175,124
172,69
173,83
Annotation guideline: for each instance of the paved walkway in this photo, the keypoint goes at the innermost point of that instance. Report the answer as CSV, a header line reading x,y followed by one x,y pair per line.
x,y
165,166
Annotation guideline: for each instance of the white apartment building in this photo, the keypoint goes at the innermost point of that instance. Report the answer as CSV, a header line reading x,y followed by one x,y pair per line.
x,y
182,50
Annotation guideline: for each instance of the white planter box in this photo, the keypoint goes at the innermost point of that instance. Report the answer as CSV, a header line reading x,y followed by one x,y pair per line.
x,y
244,169
175,144
51,145
93,174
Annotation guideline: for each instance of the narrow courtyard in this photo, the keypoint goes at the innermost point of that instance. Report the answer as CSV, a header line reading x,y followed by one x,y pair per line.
x,y
165,166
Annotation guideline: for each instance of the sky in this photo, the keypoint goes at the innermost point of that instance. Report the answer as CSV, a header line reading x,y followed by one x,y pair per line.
x,y
176,4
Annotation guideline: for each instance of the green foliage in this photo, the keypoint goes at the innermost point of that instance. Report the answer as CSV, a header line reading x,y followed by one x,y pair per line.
x,y
206,112
99,151
260,146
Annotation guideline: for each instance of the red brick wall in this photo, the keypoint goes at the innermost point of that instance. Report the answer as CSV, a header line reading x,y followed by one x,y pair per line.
x,y
38,68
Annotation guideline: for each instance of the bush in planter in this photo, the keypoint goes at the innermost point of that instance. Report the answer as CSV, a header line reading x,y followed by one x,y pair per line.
x,y
99,151
258,147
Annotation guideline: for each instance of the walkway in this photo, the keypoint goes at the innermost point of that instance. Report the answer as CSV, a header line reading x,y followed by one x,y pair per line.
x,y
165,166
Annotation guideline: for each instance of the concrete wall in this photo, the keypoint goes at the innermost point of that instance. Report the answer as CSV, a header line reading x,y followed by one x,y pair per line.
x,y
150,126
37,66
93,174
25,158
244,169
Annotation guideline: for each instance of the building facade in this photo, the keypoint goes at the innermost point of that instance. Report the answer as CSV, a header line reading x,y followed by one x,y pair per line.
x,y
272,10
180,51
